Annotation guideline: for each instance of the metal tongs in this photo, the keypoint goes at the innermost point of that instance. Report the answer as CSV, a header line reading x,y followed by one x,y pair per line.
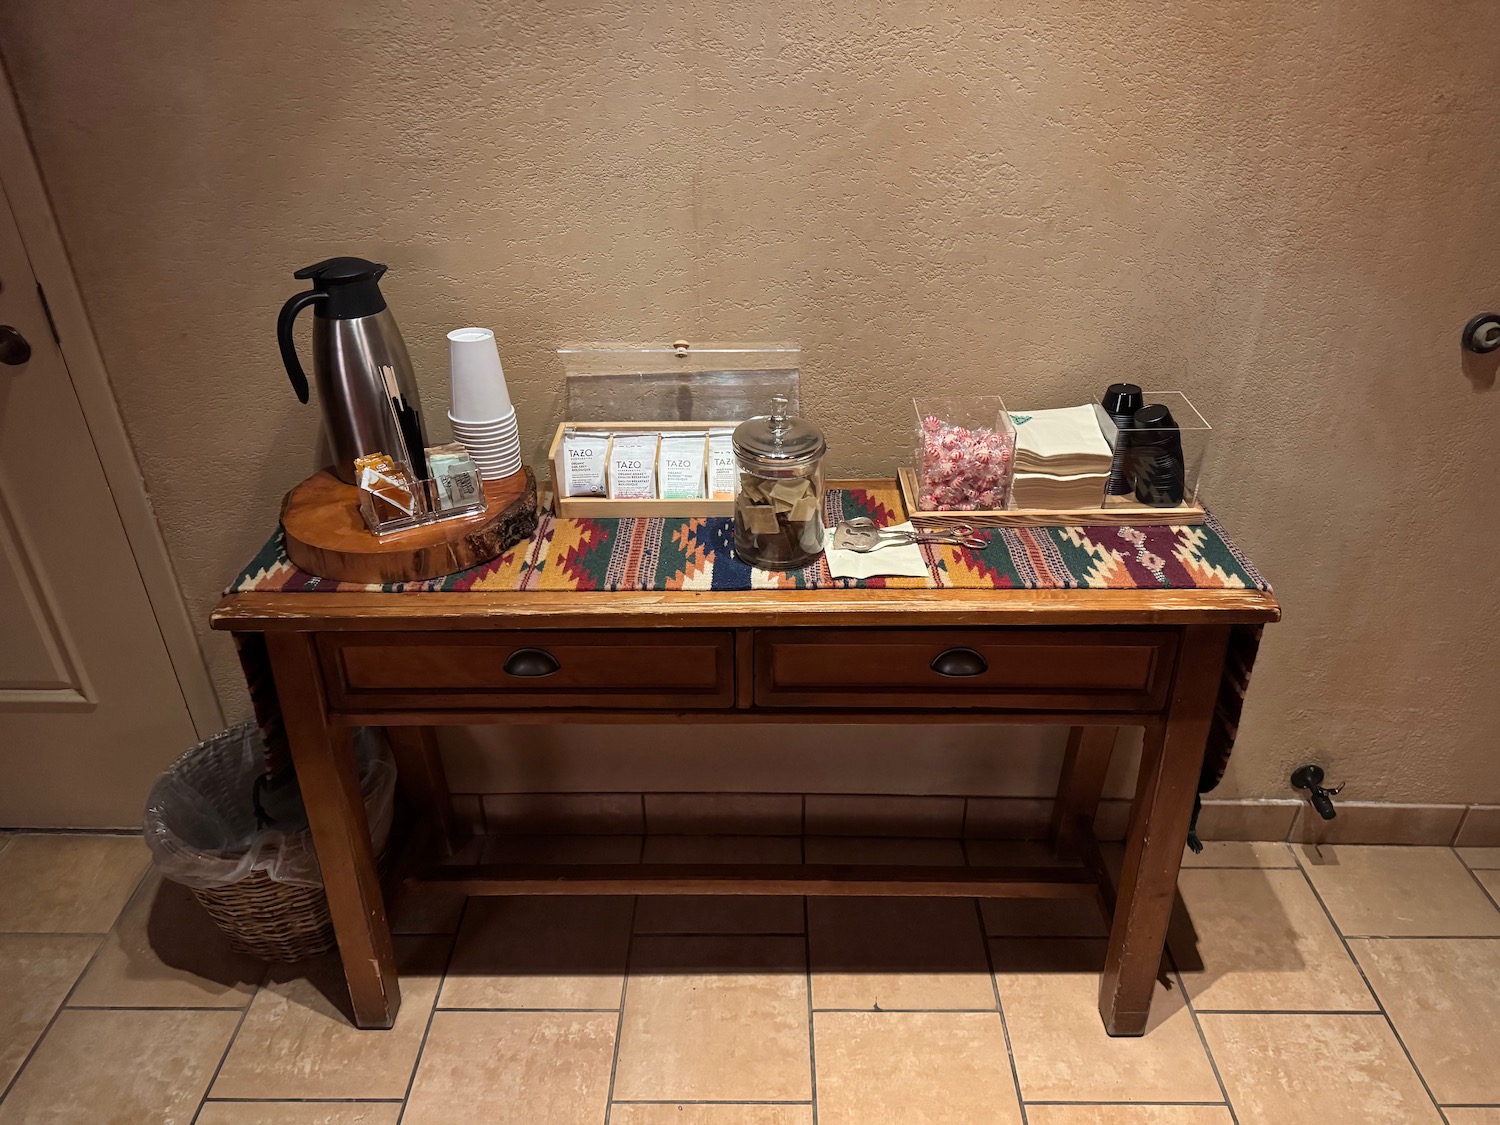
x,y
862,535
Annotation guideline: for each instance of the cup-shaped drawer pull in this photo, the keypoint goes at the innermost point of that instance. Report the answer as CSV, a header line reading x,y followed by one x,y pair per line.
x,y
959,662
531,663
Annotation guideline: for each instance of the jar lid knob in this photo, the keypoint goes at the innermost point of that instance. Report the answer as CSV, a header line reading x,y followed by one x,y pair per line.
x,y
778,416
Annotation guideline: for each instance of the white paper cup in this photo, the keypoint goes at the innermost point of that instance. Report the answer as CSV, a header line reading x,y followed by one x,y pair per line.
x,y
476,379
498,470
506,417
505,452
489,439
487,463
485,431
504,439
507,432
492,449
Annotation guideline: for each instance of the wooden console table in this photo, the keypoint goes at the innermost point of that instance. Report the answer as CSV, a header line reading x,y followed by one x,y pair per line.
x,y
1094,660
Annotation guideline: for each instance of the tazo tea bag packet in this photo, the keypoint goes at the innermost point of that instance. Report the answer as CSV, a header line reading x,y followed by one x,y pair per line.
x,y
723,469
680,465
583,463
632,467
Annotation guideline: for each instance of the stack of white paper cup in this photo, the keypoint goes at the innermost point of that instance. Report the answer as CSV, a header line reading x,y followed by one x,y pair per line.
x,y
484,421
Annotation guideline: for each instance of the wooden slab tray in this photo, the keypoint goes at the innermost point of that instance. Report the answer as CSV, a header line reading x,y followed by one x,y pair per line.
x,y
326,535
1119,511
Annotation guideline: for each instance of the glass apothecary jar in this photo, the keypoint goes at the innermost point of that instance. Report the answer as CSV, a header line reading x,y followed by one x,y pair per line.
x,y
778,512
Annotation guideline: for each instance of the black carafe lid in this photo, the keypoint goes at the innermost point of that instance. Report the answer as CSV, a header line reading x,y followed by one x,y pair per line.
x,y
351,285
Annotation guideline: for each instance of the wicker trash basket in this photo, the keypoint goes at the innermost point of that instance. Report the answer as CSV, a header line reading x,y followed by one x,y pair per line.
x,y
259,882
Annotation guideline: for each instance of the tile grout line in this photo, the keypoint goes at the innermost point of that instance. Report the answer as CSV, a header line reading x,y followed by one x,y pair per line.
x,y
523,1011
1187,1002
1286,1011
1379,1004
989,961
1423,937
229,1046
416,1064
1010,1055
1057,1101
708,1101
1459,831
303,1101
884,1011
1459,850
635,908
62,1007
812,1030
1478,882
614,1061
160,1007
812,1035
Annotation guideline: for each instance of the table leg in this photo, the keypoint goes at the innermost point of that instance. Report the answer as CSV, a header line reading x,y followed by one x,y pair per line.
x,y
1170,764
419,769
1084,766
324,757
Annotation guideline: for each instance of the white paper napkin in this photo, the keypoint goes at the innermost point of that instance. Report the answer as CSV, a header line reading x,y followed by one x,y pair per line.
x,y
887,562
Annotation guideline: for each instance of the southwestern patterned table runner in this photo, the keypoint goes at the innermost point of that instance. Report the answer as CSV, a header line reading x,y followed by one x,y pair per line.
x,y
697,553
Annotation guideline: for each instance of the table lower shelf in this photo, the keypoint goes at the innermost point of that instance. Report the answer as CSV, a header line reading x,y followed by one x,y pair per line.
x,y
761,879
485,865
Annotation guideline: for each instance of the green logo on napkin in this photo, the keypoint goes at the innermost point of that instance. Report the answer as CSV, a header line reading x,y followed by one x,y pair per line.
x,y
1020,419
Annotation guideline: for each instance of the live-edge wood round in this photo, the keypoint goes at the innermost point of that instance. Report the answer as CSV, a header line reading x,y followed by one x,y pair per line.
x,y
326,535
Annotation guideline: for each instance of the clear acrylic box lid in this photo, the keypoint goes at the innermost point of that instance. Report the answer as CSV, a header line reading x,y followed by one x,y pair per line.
x,y
667,382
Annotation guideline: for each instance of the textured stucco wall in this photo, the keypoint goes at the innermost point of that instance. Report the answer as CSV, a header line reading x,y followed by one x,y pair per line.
x,y
1284,209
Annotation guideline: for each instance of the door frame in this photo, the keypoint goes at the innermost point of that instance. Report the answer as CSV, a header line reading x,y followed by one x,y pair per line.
x,y
42,238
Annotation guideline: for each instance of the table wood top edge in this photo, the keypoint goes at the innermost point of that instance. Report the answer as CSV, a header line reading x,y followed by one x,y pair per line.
x,y
276,611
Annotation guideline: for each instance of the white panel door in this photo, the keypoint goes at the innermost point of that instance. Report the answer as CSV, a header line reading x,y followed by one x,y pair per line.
x,y
90,709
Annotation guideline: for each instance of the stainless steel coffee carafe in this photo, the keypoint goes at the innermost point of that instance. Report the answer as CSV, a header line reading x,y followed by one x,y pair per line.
x,y
354,337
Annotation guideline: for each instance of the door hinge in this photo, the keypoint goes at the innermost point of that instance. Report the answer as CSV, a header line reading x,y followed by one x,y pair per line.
x,y
46,308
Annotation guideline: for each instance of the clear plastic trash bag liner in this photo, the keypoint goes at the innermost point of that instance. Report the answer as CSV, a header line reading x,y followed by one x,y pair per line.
x,y
204,836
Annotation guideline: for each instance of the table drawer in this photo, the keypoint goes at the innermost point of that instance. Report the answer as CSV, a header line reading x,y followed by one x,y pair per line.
x,y
615,669
1017,669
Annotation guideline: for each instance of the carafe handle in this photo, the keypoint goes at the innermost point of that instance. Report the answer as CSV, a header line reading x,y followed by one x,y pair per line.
x,y
289,313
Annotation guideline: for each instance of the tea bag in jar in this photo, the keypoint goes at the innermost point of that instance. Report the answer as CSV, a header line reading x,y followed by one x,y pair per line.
x,y
778,522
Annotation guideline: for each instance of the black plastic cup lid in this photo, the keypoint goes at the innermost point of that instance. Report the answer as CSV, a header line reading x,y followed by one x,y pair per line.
x,y
1121,398
1154,417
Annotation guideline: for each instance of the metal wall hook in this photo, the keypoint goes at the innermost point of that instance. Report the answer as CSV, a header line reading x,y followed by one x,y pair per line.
x,y
1311,779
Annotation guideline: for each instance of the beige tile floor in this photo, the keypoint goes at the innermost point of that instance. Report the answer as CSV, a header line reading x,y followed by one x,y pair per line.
x,y
1351,984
